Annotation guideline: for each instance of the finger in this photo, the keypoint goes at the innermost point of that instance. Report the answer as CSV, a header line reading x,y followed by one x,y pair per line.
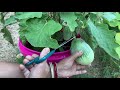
x,y
78,67
77,73
74,56
80,72
25,71
26,61
35,55
44,52
22,67
29,57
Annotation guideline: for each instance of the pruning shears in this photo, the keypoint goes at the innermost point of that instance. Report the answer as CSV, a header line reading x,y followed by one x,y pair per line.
x,y
38,60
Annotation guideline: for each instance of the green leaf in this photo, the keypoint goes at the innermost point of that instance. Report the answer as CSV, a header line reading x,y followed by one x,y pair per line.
x,y
118,51
27,15
109,16
67,34
23,30
98,13
119,25
39,33
117,15
10,20
22,24
114,23
104,37
93,17
112,18
69,18
117,37
96,18
92,42
81,20
7,35
19,13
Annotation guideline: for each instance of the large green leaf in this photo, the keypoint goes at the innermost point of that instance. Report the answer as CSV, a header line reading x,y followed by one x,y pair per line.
x,y
23,16
69,18
114,23
92,42
117,37
27,15
86,35
109,16
117,15
118,51
39,33
119,25
104,38
112,18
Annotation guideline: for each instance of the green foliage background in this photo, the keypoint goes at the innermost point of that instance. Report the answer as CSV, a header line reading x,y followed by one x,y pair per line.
x,y
101,30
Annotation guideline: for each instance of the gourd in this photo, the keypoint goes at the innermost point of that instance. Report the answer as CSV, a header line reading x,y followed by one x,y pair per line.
x,y
87,57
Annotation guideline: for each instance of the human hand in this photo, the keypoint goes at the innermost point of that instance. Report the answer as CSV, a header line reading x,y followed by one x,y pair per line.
x,y
65,68
68,67
40,70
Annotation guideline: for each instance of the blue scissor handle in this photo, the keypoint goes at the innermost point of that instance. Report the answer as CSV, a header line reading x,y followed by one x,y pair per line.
x,y
32,61
37,60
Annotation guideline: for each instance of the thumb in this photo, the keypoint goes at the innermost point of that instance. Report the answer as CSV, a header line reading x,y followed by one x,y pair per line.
x,y
44,52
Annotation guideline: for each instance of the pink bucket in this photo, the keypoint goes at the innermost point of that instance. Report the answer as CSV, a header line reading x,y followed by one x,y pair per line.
x,y
56,57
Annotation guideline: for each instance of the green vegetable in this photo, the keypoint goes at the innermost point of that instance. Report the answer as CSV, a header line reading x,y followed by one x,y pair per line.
x,y
88,54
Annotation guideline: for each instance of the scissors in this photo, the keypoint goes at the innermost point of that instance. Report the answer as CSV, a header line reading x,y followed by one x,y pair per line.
x,y
38,60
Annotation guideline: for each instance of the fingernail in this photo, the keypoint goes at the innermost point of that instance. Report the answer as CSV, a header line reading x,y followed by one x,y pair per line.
x,y
45,50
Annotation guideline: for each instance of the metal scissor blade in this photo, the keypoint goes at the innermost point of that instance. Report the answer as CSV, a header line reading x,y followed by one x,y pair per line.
x,y
66,42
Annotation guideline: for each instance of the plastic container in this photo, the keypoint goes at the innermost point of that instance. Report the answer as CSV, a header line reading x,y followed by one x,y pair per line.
x,y
56,57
